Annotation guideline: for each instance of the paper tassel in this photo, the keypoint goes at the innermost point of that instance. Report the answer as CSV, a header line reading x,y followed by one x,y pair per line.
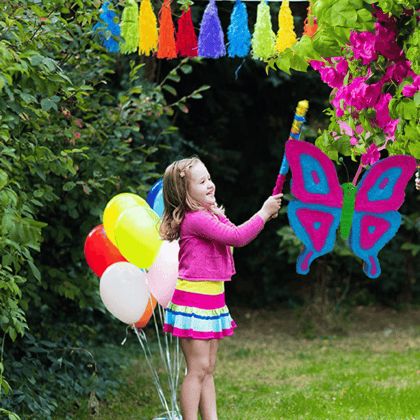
x,y
286,36
130,27
264,37
186,39
108,17
148,33
211,38
311,26
166,42
238,33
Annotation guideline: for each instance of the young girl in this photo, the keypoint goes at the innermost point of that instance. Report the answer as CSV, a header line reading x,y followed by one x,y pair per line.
x,y
197,312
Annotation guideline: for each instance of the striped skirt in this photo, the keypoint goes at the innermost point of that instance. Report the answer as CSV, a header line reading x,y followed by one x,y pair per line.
x,y
198,310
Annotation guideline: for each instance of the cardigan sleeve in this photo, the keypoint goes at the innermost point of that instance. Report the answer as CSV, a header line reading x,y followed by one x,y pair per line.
x,y
204,225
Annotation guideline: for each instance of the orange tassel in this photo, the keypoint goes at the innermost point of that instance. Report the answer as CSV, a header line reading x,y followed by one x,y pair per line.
x,y
311,26
166,42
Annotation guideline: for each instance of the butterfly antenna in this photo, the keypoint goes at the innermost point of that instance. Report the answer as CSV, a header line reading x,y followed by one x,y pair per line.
x,y
341,160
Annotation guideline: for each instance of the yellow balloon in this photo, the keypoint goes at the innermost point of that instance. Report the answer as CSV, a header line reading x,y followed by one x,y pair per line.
x,y
115,207
137,235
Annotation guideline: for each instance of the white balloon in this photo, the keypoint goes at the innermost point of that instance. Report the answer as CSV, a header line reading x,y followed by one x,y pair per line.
x,y
163,274
124,291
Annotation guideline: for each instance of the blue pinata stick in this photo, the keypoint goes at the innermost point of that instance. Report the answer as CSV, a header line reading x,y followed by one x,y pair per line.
x,y
298,121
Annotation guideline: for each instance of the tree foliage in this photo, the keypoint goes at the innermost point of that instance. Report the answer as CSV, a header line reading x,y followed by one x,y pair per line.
x,y
78,125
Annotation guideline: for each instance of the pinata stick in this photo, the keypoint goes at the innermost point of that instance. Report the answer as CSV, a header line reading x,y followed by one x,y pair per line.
x,y
294,135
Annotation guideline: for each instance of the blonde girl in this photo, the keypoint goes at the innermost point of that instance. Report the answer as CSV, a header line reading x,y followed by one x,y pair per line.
x,y
197,312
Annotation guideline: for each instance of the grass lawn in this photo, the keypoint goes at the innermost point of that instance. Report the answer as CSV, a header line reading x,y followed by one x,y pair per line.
x,y
268,370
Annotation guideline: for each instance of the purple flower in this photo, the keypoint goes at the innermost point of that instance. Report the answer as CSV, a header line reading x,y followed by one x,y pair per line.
x,y
371,156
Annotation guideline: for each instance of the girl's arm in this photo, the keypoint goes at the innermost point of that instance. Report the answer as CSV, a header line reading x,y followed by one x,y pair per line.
x,y
204,225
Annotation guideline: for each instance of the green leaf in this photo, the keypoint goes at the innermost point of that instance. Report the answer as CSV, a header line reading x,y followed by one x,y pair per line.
x,y
35,270
3,179
68,186
5,386
186,69
170,89
414,149
174,76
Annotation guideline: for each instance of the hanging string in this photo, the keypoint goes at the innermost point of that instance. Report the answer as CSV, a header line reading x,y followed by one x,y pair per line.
x,y
130,27
211,38
286,36
148,33
239,36
108,18
186,39
263,38
166,40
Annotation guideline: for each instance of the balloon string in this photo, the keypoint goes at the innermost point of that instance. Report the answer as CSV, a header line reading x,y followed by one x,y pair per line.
x,y
126,334
148,355
166,359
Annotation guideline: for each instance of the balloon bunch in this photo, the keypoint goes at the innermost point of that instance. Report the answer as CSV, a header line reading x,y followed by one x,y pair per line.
x,y
137,270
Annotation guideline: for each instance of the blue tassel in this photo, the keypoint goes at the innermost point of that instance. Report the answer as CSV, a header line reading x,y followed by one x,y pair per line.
x,y
108,17
211,38
238,33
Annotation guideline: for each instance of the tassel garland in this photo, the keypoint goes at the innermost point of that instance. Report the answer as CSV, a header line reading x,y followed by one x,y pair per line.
x,y
148,33
186,39
108,17
238,33
139,30
211,38
130,27
264,37
166,40
286,36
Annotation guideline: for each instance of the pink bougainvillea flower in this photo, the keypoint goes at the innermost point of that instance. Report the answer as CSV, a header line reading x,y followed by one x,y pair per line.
x,y
382,111
346,129
342,66
363,44
77,135
331,77
371,156
386,43
398,70
411,90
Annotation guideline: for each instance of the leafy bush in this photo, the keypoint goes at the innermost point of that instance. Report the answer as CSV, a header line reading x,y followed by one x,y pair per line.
x,y
78,126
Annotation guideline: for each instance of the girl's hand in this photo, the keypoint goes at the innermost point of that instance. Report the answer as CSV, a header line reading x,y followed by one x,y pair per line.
x,y
417,181
271,207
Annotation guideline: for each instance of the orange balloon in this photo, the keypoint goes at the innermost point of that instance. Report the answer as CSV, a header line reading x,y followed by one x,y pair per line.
x,y
142,322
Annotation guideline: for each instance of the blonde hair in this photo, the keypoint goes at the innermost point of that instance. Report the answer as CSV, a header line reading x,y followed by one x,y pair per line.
x,y
176,198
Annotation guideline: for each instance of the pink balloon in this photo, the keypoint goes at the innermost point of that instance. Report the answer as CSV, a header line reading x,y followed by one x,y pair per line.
x,y
163,274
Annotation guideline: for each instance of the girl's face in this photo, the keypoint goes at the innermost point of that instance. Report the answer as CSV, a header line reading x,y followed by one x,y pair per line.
x,y
201,187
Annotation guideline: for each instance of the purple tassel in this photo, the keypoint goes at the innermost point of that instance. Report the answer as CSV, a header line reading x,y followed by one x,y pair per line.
x,y
211,38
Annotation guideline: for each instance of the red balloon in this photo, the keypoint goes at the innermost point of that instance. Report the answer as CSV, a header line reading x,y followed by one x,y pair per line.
x,y
100,252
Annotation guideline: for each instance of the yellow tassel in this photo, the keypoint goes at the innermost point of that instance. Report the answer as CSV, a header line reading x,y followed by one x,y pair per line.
x,y
286,35
148,32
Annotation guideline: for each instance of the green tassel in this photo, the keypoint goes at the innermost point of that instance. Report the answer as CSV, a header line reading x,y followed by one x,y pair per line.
x,y
130,27
263,40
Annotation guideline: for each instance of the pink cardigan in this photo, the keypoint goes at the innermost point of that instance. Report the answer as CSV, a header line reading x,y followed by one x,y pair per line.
x,y
205,241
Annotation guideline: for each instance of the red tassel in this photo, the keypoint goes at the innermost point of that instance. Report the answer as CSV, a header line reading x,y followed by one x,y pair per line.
x,y
186,39
166,42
